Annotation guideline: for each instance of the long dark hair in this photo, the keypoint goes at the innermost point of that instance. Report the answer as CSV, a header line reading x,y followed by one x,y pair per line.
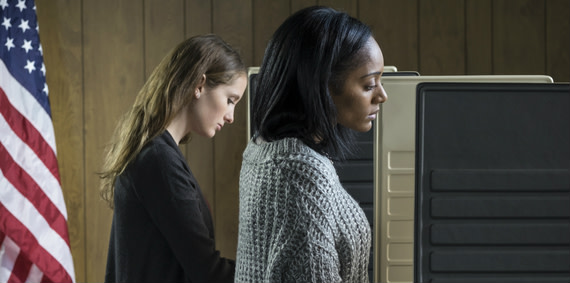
x,y
310,52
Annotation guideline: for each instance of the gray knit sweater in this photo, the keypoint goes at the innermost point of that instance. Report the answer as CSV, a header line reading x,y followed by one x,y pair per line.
x,y
296,221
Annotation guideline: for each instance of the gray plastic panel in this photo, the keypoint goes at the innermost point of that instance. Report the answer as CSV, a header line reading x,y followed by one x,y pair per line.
x,y
492,183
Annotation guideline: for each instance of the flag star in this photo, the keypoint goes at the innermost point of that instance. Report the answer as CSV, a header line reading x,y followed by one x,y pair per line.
x,y
9,43
43,69
30,66
21,5
41,50
27,45
46,90
6,23
4,4
24,25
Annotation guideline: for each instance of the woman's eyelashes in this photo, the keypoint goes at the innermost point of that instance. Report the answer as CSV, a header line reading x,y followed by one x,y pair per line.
x,y
370,87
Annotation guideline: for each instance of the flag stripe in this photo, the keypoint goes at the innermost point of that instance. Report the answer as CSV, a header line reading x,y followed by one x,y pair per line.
x,y
29,161
21,269
26,131
27,105
9,251
31,232
35,275
47,256
29,189
46,280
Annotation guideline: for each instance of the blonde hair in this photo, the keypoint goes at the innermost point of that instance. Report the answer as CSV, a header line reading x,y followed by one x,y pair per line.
x,y
169,89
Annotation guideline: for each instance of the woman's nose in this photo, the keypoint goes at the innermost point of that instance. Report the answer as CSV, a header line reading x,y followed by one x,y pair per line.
x,y
381,96
229,118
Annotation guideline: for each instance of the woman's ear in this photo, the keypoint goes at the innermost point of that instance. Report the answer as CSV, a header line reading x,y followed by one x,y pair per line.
x,y
201,83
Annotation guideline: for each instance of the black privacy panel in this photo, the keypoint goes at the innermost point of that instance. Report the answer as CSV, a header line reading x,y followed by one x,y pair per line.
x,y
251,86
492,183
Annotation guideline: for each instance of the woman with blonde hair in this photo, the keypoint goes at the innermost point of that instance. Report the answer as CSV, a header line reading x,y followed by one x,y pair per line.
x,y
162,228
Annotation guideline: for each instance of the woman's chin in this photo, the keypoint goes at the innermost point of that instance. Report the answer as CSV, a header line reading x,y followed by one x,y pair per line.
x,y
208,135
363,128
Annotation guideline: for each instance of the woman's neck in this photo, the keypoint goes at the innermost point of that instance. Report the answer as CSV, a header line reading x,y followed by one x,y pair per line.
x,y
178,127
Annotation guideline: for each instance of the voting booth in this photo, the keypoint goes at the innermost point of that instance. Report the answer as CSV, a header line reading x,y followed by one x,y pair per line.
x,y
492,193
381,176
394,171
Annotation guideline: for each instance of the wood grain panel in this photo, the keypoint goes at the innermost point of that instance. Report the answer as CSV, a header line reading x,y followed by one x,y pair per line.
x,y
558,40
60,35
297,5
233,22
114,73
198,17
395,27
163,30
442,37
518,37
200,150
348,6
267,16
478,33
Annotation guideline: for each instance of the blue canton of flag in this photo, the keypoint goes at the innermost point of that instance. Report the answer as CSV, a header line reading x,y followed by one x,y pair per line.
x,y
22,52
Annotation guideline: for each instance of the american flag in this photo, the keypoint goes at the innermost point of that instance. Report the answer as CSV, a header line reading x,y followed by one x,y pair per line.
x,y
34,241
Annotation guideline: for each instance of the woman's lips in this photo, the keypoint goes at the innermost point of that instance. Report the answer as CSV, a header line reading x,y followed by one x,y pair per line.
x,y
373,115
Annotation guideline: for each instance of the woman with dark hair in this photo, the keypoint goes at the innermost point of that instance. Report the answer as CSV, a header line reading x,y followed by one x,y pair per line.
x,y
319,80
162,228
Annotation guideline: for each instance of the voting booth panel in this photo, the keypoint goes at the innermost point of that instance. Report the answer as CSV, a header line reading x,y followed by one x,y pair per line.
x,y
251,84
394,171
492,188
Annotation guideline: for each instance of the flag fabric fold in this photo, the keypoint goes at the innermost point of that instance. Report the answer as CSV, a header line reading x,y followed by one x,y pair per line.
x,y
34,239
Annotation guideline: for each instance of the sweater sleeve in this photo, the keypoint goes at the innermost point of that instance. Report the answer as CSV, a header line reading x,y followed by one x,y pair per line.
x,y
174,204
315,259
313,256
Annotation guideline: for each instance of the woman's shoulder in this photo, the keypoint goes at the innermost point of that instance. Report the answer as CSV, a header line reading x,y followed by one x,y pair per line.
x,y
160,146
289,154
159,153
284,149
291,159
161,161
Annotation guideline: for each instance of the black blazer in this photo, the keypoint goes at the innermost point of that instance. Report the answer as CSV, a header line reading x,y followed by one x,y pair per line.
x,y
162,228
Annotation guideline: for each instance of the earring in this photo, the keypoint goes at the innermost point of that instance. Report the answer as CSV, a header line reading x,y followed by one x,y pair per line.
x,y
197,94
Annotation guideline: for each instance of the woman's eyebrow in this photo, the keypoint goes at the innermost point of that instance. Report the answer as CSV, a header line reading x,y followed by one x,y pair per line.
x,y
371,74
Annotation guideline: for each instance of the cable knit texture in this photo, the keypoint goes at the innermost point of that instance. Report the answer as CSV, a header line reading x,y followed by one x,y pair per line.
x,y
296,221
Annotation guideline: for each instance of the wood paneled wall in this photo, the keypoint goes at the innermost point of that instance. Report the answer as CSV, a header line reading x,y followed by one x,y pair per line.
x,y
98,54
